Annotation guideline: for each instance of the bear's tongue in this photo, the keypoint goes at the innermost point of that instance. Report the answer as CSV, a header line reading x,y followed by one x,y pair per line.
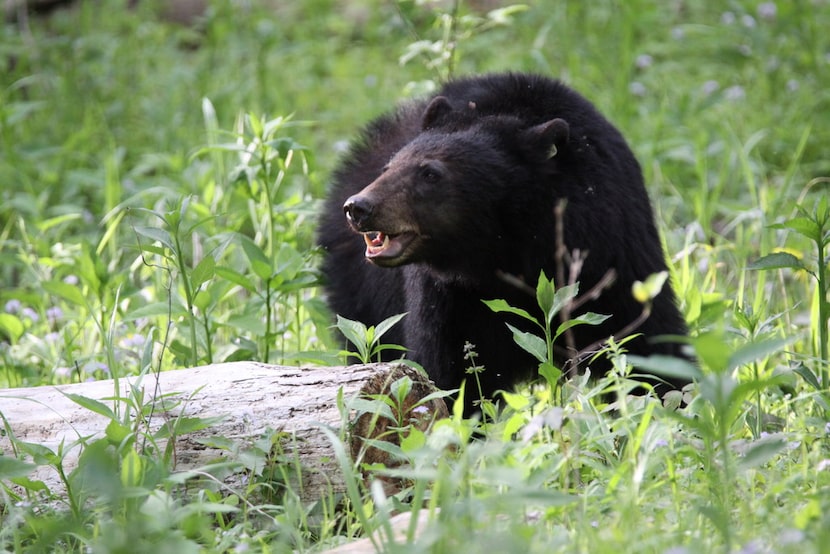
x,y
381,245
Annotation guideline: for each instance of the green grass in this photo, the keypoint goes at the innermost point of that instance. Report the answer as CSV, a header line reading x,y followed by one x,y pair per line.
x,y
158,188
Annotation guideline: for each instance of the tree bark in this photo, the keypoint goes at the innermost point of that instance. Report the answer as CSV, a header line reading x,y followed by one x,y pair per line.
x,y
249,397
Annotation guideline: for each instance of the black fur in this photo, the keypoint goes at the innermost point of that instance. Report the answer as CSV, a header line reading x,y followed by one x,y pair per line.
x,y
472,177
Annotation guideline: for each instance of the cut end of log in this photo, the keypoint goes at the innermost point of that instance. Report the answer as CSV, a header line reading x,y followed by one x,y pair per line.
x,y
409,410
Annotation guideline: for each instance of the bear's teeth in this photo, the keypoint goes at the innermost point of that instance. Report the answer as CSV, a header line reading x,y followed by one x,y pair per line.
x,y
376,241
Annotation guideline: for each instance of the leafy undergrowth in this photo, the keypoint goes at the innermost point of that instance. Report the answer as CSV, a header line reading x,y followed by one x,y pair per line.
x,y
155,214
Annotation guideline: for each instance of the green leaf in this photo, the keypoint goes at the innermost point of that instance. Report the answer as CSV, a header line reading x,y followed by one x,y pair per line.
x,y
12,468
545,294
776,260
563,296
12,327
756,350
649,289
530,343
132,469
157,309
712,350
260,264
804,226
183,425
589,318
387,324
499,305
156,234
70,293
203,272
116,432
236,278
550,373
357,334
762,451
90,404
667,366
414,440
808,375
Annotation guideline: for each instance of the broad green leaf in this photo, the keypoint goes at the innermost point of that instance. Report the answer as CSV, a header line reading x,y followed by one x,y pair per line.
x,y
530,343
354,331
156,234
562,296
235,277
95,406
252,323
645,291
756,350
260,264
70,293
183,425
589,318
156,309
516,401
116,432
12,468
550,373
713,350
667,366
545,294
47,224
776,260
357,334
499,305
762,451
808,375
804,226
132,469
414,440
387,324
203,272
12,327
372,407
28,484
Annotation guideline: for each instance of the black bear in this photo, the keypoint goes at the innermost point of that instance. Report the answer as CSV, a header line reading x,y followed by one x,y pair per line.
x,y
452,200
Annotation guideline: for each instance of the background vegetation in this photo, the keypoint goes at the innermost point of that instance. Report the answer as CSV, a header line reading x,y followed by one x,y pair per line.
x,y
158,187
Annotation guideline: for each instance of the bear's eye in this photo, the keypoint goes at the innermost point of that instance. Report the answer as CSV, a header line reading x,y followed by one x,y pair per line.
x,y
430,174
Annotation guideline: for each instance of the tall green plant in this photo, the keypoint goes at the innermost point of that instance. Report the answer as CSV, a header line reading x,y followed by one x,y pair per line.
x,y
815,226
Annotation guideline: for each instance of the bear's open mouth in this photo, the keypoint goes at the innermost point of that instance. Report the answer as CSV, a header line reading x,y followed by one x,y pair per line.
x,y
382,246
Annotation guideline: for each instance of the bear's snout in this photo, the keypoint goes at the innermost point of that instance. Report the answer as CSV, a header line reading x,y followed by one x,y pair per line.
x,y
358,210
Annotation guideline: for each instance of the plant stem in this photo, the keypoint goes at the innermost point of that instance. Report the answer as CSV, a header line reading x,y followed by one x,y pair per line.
x,y
188,295
823,316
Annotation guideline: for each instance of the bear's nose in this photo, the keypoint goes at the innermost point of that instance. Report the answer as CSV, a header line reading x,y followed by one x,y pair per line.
x,y
358,209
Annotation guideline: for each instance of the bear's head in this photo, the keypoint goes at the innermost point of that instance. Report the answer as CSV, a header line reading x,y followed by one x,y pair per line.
x,y
441,198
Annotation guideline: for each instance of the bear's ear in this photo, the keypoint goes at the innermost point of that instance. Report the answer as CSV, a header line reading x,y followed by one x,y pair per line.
x,y
437,109
548,137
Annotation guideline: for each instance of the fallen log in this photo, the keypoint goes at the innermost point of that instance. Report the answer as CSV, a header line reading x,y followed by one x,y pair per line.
x,y
248,399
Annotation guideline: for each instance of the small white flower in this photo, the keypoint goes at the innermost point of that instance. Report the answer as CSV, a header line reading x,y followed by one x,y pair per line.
x,y
767,10
709,87
637,88
727,18
30,313
793,85
54,314
735,92
748,21
62,372
12,306
643,61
